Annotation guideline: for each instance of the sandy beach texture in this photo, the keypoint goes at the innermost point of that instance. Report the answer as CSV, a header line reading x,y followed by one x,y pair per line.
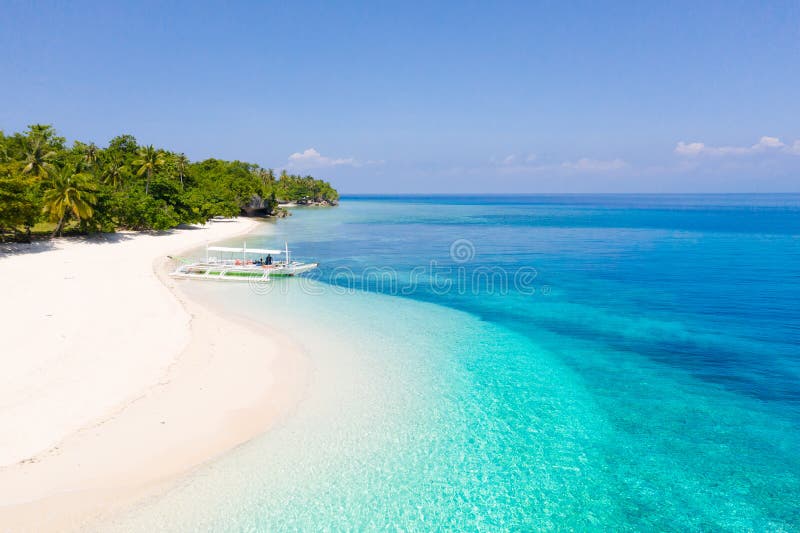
x,y
112,383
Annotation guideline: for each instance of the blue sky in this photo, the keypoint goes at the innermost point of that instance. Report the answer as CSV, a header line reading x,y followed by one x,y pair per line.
x,y
429,96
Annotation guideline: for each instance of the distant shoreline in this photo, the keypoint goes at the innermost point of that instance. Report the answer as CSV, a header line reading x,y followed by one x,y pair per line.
x,y
357,196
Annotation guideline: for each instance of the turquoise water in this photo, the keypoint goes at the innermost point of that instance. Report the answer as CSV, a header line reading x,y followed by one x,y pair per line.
x,y
524,363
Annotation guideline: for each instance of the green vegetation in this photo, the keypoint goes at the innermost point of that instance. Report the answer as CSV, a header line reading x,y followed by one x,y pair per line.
x,y
304,189
47,187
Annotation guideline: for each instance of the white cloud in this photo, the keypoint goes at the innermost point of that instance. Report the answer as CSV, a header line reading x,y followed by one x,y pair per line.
x,y
515,159
690,148
585,164
764,145
311,158
529,164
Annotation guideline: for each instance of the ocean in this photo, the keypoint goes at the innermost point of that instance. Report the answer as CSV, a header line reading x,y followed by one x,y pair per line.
x,y
585,362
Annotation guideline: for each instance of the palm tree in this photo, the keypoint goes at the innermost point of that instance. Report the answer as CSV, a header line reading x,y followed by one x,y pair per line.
x,y
150,160
39,158
181,162
46,133
267,176
114,172
70,193
91,158
91,154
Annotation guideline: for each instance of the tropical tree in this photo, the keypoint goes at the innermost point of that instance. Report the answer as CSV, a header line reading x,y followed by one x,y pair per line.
x,y
18,201
149,161
91,154
39,158
123,145
47,134
113,172
70,194
181,163
267,177
4,156
40,175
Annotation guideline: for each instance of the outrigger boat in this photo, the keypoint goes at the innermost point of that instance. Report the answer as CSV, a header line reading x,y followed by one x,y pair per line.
x,y
240,266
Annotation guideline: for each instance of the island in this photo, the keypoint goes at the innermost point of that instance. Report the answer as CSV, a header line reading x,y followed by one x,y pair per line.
x,y
48,188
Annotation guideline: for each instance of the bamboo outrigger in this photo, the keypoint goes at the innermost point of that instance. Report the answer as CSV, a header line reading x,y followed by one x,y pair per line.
x,y
243,267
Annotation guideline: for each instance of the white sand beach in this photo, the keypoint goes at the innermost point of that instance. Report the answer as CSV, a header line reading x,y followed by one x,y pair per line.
x,y
111,384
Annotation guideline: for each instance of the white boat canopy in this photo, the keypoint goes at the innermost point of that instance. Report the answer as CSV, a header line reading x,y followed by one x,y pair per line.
x,y
243,250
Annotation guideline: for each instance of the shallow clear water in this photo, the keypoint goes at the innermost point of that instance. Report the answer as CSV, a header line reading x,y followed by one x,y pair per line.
x,y
526,362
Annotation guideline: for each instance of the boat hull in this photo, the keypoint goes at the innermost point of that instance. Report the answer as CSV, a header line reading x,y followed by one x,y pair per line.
x,y
292,270
224,272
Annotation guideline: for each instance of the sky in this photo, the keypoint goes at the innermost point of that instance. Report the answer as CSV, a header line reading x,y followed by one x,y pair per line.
x,y
427,97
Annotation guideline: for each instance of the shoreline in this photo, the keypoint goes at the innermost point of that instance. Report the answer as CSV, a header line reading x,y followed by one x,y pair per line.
x,y
230,381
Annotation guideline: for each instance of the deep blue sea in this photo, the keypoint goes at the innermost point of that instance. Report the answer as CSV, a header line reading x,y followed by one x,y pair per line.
x,y
584,362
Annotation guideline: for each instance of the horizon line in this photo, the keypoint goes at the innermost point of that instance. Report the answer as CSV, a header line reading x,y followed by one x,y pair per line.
x,y
628,193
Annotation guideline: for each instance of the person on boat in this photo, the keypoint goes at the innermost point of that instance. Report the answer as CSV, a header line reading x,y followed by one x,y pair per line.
x,y
269,259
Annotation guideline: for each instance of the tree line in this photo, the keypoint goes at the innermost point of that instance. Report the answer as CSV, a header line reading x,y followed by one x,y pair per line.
x,y
84,188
